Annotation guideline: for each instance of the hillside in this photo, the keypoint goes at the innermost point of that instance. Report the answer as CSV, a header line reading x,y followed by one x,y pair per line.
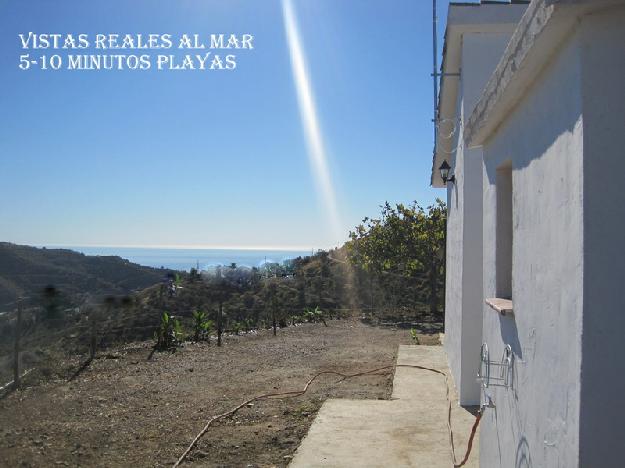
x,y
26,271
132,407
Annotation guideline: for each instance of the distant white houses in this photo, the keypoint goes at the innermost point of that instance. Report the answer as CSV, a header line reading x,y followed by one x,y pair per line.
x,y
532,125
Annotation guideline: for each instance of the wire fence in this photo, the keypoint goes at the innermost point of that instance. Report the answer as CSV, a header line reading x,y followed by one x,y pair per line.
x,y
40,350
43,349
56,348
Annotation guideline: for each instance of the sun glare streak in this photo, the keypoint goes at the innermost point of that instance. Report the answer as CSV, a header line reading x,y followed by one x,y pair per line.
x,y
316,150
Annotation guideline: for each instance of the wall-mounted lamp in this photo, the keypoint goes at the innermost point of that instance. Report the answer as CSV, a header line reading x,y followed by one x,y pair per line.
x,y
445,167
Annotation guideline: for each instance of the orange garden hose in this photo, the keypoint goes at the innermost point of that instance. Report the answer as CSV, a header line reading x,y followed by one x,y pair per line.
x,y
295,393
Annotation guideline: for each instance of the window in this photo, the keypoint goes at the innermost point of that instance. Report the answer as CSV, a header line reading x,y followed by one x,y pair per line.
x,y
504,232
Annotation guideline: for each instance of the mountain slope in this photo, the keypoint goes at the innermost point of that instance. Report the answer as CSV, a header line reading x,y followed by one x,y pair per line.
x,y
26,271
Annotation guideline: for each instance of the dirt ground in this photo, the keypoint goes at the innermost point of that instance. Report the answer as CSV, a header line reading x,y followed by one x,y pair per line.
x,y
128,410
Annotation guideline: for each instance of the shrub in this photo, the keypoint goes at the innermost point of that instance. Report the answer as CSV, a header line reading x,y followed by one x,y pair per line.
x,y
315,315
201,325
168,335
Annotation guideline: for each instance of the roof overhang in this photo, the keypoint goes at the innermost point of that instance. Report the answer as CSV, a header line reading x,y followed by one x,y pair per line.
x,y
463,18
544,26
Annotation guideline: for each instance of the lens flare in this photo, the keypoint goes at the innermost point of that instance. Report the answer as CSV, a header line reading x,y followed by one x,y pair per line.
x,y
316,151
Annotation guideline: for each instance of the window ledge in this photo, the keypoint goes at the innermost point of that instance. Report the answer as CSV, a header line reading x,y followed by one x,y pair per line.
x,y
503,306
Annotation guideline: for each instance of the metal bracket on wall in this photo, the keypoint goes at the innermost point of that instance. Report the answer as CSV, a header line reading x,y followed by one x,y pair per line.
x,y
504,377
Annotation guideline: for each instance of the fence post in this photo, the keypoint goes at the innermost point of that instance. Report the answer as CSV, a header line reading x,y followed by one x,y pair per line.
x,y
219,323
94,339
16,350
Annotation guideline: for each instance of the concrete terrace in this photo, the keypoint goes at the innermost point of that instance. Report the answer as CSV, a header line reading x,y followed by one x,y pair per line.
x,y
408,430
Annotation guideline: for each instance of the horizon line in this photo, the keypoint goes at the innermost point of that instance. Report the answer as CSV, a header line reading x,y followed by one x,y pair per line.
x,y
182,247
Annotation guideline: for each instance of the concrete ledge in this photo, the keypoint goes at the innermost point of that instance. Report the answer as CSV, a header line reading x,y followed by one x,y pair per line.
x,y
503,306
410,430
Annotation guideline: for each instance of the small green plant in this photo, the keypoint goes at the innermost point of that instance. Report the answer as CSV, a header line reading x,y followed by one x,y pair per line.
x,y
315,315
236,328
178,331
309,315
169,333
414,336
320,315
201,325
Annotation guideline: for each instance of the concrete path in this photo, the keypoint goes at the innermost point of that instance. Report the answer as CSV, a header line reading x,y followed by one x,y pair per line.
x,y
410,430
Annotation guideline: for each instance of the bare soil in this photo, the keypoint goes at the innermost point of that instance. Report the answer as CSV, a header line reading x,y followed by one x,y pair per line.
x,y
127,409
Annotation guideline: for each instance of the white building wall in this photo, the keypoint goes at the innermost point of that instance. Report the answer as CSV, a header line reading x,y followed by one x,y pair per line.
x,y
535,422
603,370
463,301
453,272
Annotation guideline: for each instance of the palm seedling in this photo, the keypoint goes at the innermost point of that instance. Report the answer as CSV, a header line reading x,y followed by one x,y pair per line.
x,y
201,325
315,315
320,315
169,332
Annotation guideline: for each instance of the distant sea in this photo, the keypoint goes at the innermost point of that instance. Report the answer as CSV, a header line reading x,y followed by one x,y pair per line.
x,y
185,259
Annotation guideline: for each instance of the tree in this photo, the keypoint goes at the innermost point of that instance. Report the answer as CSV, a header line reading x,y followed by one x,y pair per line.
x,y
193,275
403,251
271,287
220,288
51,302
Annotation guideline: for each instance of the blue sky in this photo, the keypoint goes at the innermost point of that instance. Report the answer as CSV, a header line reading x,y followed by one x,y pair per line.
x,y
214,158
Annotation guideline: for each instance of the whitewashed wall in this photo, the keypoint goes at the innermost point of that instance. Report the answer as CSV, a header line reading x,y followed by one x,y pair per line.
x,y
463,301
603,365
535,423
